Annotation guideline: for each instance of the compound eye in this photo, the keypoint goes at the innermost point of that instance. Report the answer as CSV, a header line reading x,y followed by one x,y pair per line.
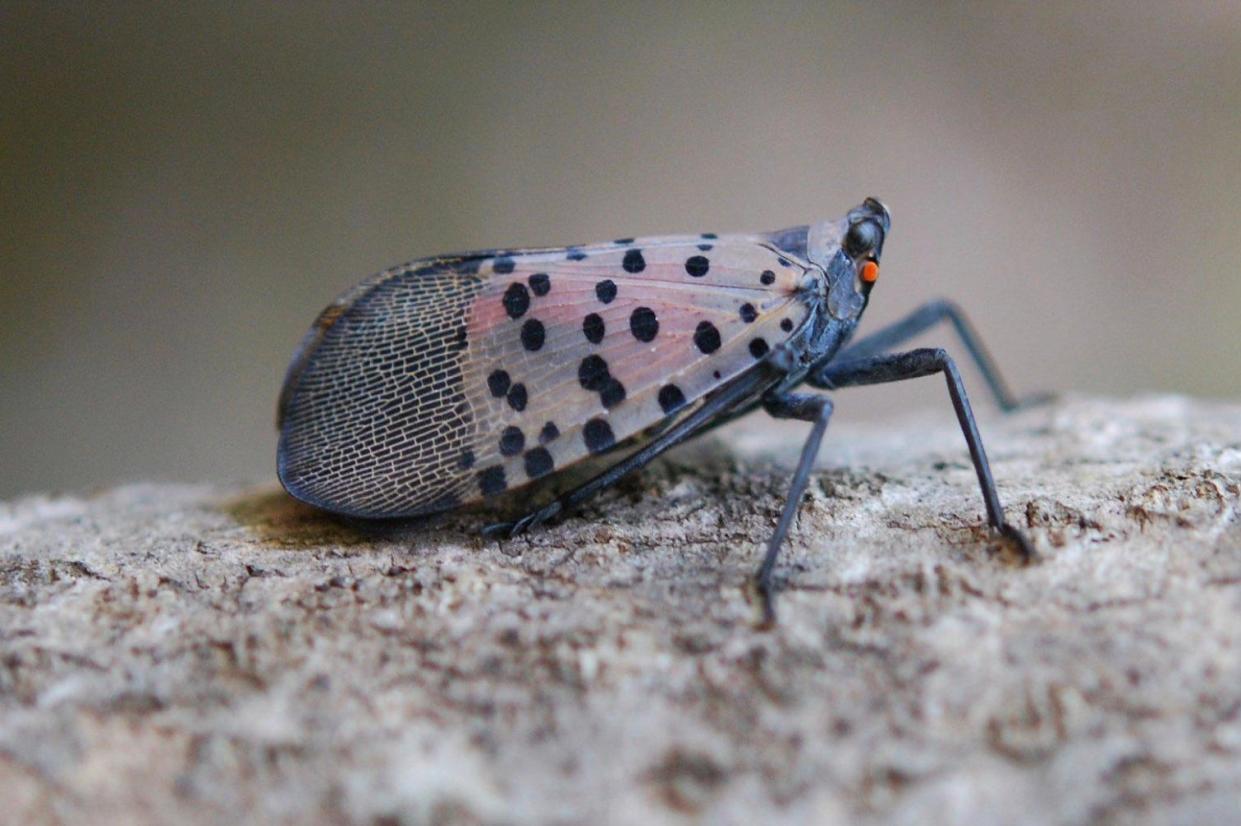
x,y
862,237
869,272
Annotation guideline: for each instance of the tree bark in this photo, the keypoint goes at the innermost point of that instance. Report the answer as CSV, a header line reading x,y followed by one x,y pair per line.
x,y
209,653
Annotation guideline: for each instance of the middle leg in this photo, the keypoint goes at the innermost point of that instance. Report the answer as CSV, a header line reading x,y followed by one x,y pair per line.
x,y
805,407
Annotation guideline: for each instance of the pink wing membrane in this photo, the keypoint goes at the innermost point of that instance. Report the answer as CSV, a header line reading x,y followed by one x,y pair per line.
x,y
605,346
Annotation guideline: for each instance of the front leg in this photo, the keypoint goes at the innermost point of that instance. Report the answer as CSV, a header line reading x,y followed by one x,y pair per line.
x,y
923,319
916,364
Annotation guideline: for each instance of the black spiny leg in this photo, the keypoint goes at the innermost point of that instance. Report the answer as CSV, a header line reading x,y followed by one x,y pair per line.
x,y
915,364
806,408
921,320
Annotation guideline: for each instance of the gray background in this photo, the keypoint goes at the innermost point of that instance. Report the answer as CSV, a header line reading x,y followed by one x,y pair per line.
x,y
185,186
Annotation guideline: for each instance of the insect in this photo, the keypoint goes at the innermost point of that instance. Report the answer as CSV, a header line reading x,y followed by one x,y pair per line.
x,y
457,378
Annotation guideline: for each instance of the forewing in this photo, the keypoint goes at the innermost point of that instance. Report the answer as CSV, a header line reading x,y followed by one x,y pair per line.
x,y
448,380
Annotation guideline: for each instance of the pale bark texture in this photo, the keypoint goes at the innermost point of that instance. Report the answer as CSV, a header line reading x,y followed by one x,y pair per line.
x,y
206,654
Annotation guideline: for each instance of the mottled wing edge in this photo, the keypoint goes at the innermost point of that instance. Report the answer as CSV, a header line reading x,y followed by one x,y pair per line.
x,y
465,263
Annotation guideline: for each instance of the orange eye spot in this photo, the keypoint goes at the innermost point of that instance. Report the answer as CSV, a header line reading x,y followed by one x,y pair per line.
x,y
870,272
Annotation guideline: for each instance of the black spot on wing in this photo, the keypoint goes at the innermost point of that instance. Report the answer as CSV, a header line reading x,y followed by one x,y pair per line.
x,y
706,337
491,481
517,397
593,373
516,300
512,440
539,462
593,328
540,283
643,324
634,262
697,265
612,393
671,399
598,436
533,334
499,383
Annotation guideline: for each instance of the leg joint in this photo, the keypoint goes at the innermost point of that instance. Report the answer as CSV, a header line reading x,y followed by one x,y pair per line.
x,y
936,357
806,407
945,307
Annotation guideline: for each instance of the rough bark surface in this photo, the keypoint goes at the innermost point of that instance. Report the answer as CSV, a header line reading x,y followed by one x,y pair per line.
x,y
206,654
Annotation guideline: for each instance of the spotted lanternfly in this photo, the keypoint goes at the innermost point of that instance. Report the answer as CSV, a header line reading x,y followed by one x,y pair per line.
x,y
456,378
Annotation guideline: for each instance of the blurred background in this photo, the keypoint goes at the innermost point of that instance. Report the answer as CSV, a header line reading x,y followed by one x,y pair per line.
x,y
185,185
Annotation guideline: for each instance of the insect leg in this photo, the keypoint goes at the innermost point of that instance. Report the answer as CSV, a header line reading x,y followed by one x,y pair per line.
x,y
714,407
921,320
807,408
926,362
